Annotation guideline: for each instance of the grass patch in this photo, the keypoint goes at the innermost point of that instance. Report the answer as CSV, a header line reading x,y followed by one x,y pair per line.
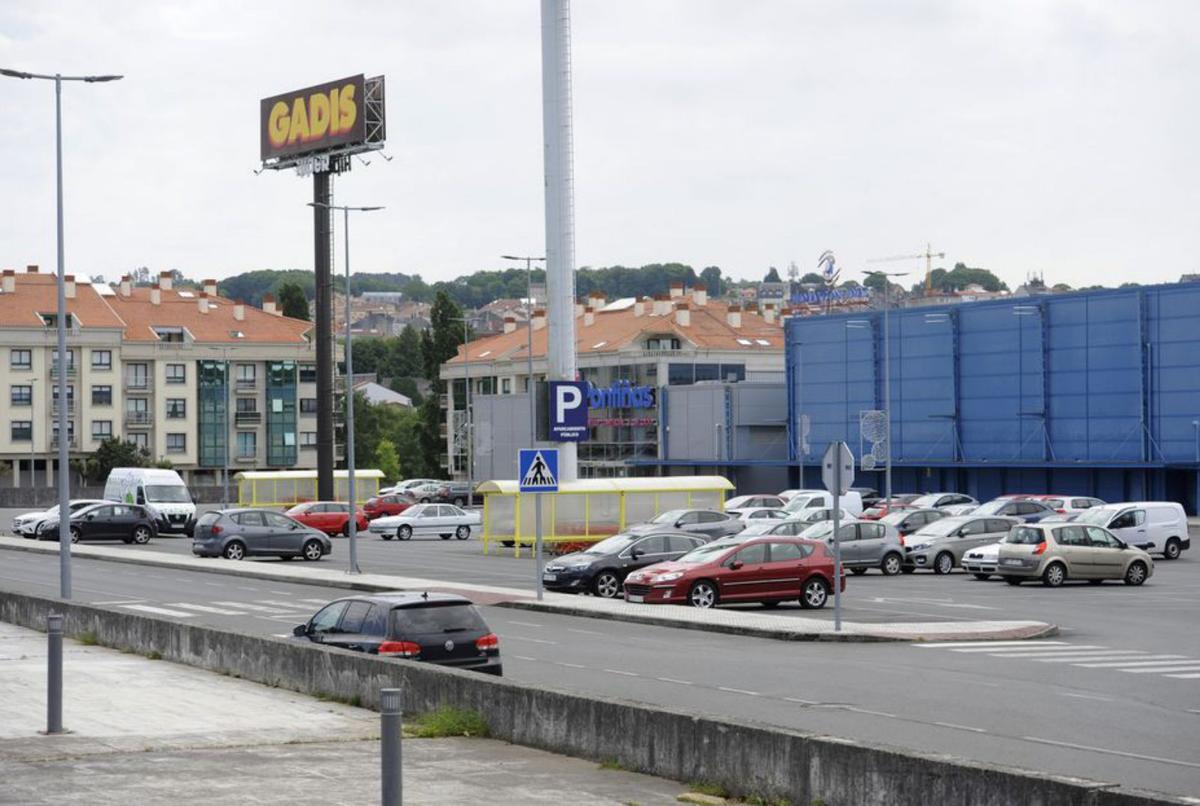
x,y
154,654
760,800
88,638
446,721
354,701
611,764
709,788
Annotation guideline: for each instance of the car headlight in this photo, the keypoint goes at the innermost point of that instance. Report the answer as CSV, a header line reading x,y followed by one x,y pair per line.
x,y
670,576
920,547
579,565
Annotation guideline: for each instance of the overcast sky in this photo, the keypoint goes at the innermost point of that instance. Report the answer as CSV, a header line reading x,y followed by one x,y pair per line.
x,y
1016,136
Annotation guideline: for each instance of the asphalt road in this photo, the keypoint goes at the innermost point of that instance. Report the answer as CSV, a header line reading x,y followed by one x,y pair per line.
x,y
1112,699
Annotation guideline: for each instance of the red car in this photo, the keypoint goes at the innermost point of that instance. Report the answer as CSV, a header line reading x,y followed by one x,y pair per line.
x,y
392,504
331,517
768,570
877,511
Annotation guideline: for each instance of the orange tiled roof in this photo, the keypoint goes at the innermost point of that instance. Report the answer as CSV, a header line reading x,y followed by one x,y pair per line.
x,y
141,315
38,293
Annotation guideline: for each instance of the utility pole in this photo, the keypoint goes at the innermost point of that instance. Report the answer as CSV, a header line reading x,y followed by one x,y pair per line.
x,y
887,375
529,342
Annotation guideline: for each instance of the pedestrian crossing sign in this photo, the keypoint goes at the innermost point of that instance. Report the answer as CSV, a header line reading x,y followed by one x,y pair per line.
x,y
538,470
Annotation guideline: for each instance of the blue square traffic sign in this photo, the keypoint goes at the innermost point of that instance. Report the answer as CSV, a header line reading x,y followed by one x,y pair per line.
x,y
569,411
537,470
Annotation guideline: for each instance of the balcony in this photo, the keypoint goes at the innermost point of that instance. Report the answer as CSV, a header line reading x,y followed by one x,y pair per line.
x,y
248,417
70,405
137,385
54,370
138,419
247,458
72,441
243,385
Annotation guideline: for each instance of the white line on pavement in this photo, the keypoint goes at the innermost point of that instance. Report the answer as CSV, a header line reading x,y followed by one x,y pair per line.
x,y
1111,752
737,691
220,611
581,632
120,601
523,638
802,702
1144,660
1084,696
1006,652
858,710
1184,676
289,605
569,665
1113,654
247,588
673,680
526,624
314,601
522,657
275,611
961,644
1163,670
960,727
620,672
162,611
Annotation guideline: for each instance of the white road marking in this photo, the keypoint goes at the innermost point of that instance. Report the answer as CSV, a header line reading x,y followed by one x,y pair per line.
x,y
247,588
1184,676
120,602
1114,654
569,665
738,691
289,605
963,644
522,657
1162,670
215,584
274,611
960,727
523,638
620,672
673,680
1085,696
858,710
582,632
526,624
802,702
1111,752
1144,660
220,611
1027,651
162,611
314,601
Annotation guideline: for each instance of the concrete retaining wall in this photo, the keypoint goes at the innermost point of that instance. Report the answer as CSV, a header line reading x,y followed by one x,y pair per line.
x,y
46,497
745,758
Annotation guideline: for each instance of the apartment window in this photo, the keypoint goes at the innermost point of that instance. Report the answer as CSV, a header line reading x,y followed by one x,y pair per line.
x,y
101,359
102,429
70,432
247,405
506,386
137,376
176,373
101,395
308,405
20,359
663,343
173,334
22,395
308,439
137,405
70,395
22,431
70,359
247,374
308,373
176,408
247,444
176,443
140,439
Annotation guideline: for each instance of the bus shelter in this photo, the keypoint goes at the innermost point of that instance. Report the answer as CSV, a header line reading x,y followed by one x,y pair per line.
x,y
590,510
285,488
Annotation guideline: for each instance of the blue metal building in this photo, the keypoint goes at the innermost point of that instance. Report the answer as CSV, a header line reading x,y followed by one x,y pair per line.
x,y
1083,393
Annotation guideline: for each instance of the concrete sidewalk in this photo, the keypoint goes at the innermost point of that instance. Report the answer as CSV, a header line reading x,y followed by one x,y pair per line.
x,y
152,732
761,625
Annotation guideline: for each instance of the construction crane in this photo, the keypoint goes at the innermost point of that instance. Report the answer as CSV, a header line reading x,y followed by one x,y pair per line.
x,y
928,254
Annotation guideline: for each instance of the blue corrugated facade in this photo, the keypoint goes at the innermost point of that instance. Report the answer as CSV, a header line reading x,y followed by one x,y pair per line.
x,y
1091,392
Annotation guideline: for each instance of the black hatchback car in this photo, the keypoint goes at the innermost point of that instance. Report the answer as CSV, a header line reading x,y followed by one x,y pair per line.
x,y
129,523
602,568
440,628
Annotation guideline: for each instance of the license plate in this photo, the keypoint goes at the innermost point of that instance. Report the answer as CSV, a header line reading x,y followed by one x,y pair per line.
x,y
1012,562
549,577
633,597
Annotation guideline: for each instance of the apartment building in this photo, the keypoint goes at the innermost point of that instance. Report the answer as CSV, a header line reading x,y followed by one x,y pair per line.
x,y
187,375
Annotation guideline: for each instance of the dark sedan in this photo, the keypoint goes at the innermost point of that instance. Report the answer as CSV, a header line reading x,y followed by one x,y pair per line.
x,y
602,568
441,628
708,522
239,533
128,523
453,492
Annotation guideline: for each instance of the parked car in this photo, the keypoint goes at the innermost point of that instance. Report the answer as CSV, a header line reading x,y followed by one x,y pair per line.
x,y
440,628
869,495
128,523
1023,509
941,500
810,516
236,534
331,517
708,522
819,499
425,493
162,491
768,570
29,524
984,560
744,501
751,514
1055,553
789,528
452,492
911,520
881,508
443,520
940,545
1068,504
1157,526
601,569
390,504
864,544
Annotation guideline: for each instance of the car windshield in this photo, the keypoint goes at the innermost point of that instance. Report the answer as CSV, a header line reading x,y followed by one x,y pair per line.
x,y
208,518
705,553
798,503
1096,515
52,511
990,508
926,500
611,545
167,494
818,530
437,618
939,528
894,518
1024,536
670,516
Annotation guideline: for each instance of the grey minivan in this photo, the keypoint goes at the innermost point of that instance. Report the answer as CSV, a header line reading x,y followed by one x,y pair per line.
x,y
865,544
239,533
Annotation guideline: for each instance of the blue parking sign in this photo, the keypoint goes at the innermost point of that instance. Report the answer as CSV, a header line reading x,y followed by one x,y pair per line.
x,y
537,470
568,411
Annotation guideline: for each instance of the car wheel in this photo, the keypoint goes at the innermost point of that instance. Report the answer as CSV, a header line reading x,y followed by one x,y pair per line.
x,y
404,532
892,564
462,532
703,595
508,543
1136,573
312,550
1054,575
1095,581
141,535
234,550
1012,580
74,534
425,501
983,577
1172,549
444,537
770,605
943,563
815,594
127,540
459,501
345,530
606,585
287,558
908,569
858,571
386,536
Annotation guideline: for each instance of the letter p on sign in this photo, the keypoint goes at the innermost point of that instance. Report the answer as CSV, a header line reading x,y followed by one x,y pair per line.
x,y
568,411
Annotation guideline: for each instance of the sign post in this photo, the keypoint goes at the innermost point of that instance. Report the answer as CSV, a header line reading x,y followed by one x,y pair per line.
x,y
837,472
537,469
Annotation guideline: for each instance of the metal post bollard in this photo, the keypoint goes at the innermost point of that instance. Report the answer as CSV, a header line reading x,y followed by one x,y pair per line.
x,y
54,631
389,745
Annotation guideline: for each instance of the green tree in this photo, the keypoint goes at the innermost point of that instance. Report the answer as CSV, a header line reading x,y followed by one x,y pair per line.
x,y
441,342
812,277
386,460
292,301
112,452
712,278
772,276
407,386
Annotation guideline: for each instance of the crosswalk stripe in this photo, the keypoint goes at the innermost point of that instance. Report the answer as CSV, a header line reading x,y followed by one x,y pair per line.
x,y
276,603
254,607
1005,652
1145,660
1078,653
1161,669
162,611
220,611
961,644
1184,676
314,601
1103,656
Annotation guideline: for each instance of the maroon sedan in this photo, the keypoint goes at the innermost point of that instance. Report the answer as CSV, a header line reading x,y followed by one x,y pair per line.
x,y
768,570
330,517
383,505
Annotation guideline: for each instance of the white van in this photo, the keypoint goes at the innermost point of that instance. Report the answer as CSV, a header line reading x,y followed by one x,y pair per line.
x,y
160,490
804,500
1157,526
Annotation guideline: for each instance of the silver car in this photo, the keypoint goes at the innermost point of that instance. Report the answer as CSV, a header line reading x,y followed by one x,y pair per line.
x,y
940,545
236,534
865,544
708,522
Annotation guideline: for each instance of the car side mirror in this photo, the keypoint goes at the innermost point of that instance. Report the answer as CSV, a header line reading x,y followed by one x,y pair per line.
x,y
91,516
300,630
679,524
634,554
736,564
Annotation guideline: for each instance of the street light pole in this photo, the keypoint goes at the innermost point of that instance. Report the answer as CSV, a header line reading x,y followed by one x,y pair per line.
x,y
529,342
64,478
351,492
887,376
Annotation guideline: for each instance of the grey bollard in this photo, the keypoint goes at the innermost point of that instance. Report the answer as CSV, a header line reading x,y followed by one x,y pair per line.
x,y
54,631
389,745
